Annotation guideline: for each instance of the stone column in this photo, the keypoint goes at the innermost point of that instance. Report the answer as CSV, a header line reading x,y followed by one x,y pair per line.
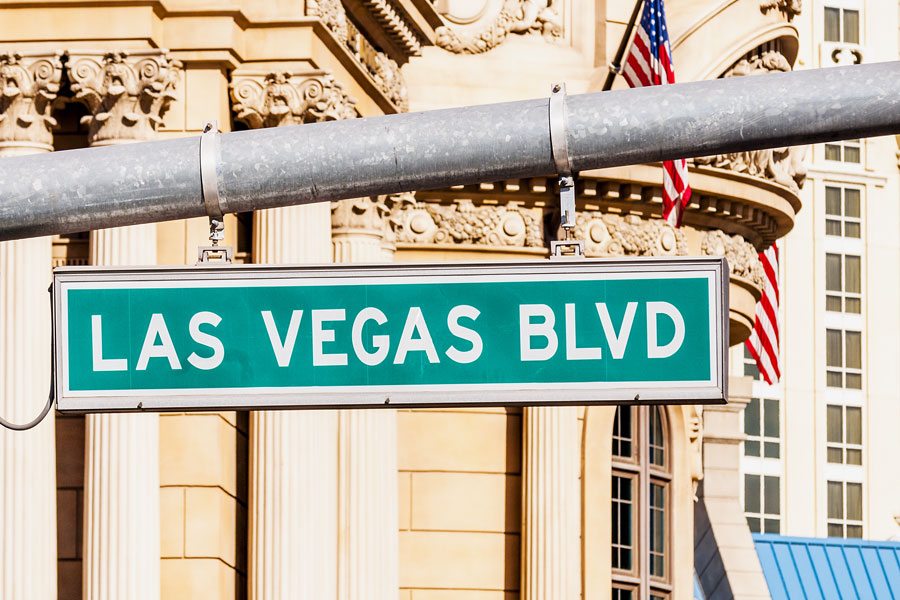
x,y
368,561
551,555
126,94
293,454
29,83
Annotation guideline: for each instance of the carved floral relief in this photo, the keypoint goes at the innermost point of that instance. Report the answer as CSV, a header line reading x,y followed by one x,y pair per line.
x,y
126,93
277,99
539,17
28,87
616,235
743,259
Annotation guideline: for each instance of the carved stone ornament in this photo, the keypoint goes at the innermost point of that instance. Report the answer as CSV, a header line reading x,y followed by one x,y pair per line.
x,y
463,222
387,76
781,165
743,259
127,93
616,235
695,437
28,87
370,216
277,99
790,8
516,16
332,14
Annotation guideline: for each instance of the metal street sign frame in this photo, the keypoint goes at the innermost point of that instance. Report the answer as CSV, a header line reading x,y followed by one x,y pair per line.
x,y
712,390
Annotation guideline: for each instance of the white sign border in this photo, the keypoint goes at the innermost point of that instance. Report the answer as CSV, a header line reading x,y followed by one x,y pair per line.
x,y
714,390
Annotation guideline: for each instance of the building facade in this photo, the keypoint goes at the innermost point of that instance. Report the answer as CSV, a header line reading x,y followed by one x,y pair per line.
x,y
597,502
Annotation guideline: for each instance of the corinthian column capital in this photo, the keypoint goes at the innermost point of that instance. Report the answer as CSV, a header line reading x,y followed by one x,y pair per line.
x,y
276,99
28,86
127,93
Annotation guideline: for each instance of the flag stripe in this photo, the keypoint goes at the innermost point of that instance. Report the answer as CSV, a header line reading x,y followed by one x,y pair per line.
x,y
764,339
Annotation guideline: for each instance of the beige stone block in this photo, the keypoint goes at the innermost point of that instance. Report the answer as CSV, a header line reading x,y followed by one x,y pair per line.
x,y
68,521
196,579
209,524
466,502
404,501
68,573
462,595
453,560
206,90
197,450
171,521
461,441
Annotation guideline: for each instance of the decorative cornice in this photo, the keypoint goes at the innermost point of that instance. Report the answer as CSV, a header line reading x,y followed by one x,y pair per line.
x,y
394,25
127,93
275,99
516,16
617,235
783,165
790,8
463,222
28,87
743,259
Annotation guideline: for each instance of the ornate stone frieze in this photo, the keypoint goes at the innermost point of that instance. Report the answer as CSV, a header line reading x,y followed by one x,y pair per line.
x,y
276,99
372,215
394,25
790,8
743,259
127,93
465,223
332,14
390,80
781,165
28,86
516,16
607,234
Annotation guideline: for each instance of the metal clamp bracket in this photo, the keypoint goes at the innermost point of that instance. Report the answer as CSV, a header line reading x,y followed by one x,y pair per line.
x,y
559,147
209,188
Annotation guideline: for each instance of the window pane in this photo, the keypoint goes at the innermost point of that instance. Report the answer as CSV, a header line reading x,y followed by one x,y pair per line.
x,y
833,303
772,490
751,448
854,381
832,25
854,350
854,531
751,370
773,526
835,530
657,530
851,203
751,493
751,417
833,350
851,154
832,227
832,152
622,594
853,305
835,423
854,457
833,272
833,201
852,274
835,379
657,439
835,500
772,449
753,523
851,26
854,502
622,433
852,230
622,522
835,455
770,425
854,425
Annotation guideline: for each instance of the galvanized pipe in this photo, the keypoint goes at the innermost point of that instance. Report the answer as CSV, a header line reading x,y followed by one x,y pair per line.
x,y
94,188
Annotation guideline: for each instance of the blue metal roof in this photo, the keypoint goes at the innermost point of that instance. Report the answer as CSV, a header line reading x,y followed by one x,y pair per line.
x,y
826,568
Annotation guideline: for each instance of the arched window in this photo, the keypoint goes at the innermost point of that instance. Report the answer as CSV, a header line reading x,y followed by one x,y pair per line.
x,y
641,478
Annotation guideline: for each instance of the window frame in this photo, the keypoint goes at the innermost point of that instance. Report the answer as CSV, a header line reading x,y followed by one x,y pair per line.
x,y
843,521
638,466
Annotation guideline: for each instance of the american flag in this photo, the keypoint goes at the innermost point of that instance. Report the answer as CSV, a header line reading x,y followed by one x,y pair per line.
x,y
763,342
649,62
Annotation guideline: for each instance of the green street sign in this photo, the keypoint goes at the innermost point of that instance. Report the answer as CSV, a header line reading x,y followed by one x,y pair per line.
x,y
502,333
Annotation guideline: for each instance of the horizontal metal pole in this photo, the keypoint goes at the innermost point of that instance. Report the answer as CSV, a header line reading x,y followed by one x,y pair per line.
x,y
79,190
